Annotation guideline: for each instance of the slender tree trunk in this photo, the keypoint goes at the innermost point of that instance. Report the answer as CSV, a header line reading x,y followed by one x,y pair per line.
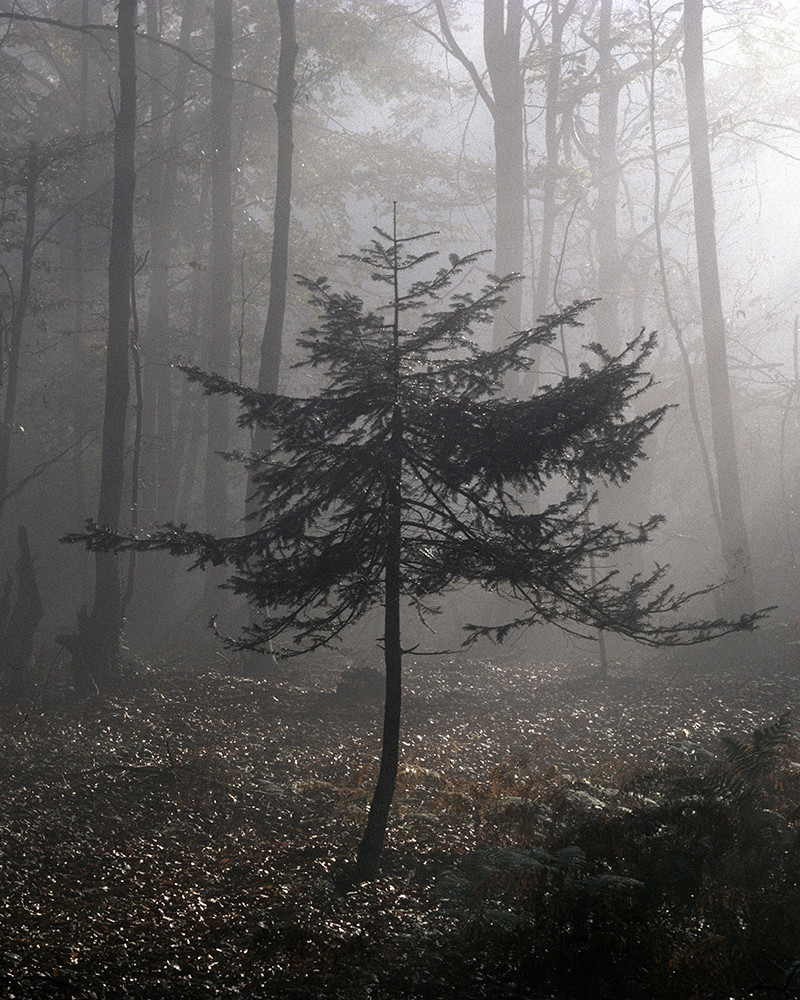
x,y
371,847
156,317
18,627
96,647
80,398
502,26
691,393
542,290
219,306
8,424
162,197
608,260
269,371
272,341
188,447
735,547
502,32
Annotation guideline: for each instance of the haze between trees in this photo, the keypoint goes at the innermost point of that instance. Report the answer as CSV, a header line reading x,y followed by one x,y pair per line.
x,y
411,474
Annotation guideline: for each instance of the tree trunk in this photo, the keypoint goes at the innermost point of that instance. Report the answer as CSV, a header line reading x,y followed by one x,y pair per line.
x,y
608,261
218,311
188,447
162,196
677,328
97,645
269,371
80,399
735,547
502,32
542,291
8,425
502,26
18,628
272,341
371,846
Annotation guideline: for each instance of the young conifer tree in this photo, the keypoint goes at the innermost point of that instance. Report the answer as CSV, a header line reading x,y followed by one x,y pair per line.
x,y
411,474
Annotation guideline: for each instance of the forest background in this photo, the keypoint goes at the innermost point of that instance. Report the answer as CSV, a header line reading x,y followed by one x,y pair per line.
x,y
554,133
165,169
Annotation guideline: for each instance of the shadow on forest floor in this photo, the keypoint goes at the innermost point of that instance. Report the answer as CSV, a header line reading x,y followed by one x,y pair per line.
x,y
553,835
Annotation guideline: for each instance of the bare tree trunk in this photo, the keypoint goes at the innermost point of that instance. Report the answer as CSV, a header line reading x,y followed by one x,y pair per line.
x,y
272,341
95,649
502,26
542,296
18,627
219,305
691,393
269,371
188,438
608,261
502,31
162,196
80,398
8,425
735,547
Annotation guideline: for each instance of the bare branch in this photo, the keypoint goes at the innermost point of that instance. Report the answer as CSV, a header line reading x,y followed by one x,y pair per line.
x,y
92,28
449,44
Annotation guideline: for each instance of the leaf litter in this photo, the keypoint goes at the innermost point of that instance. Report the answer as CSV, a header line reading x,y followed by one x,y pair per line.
x,y
183,838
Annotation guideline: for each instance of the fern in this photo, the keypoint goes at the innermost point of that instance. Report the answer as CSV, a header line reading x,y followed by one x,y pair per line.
x,y
751,758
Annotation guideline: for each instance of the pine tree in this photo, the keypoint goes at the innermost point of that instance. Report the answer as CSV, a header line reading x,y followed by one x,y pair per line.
x,y
411,474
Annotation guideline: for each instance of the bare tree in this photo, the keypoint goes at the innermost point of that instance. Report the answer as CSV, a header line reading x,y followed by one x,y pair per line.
x,y
17,325
269,371
95,648
218,310
505,99
608,171
542,290
735,547
162,204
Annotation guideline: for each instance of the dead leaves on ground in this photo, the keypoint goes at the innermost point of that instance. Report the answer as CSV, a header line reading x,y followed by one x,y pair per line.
x,y
181,840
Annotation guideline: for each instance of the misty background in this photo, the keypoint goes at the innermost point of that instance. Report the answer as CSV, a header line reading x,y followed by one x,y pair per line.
x,y
553,134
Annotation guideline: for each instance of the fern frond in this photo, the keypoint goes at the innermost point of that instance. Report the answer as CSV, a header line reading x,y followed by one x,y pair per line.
x,y
751,757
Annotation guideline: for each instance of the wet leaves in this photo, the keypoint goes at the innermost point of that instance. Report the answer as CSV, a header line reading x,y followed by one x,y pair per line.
x,y
183,840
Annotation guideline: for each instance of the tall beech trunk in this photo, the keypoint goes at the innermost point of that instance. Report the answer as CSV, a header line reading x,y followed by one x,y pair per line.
x,y
80,399
542,295
162,197
608,259
735,546
18,624
502,27
189,442
78,281
96,648
502,32
219,306
156,317
8,424
269,370
677,328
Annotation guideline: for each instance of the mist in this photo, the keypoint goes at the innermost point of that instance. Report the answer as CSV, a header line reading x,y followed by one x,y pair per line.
x,y
247,511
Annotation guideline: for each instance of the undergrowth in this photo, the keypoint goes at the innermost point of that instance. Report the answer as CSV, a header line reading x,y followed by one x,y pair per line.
x,y
552,838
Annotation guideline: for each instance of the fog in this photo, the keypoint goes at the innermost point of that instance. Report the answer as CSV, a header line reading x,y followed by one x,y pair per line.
x,y
383,114
411,389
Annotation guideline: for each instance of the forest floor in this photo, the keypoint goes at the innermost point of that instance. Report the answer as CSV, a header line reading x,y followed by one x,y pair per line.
x,y
182,838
